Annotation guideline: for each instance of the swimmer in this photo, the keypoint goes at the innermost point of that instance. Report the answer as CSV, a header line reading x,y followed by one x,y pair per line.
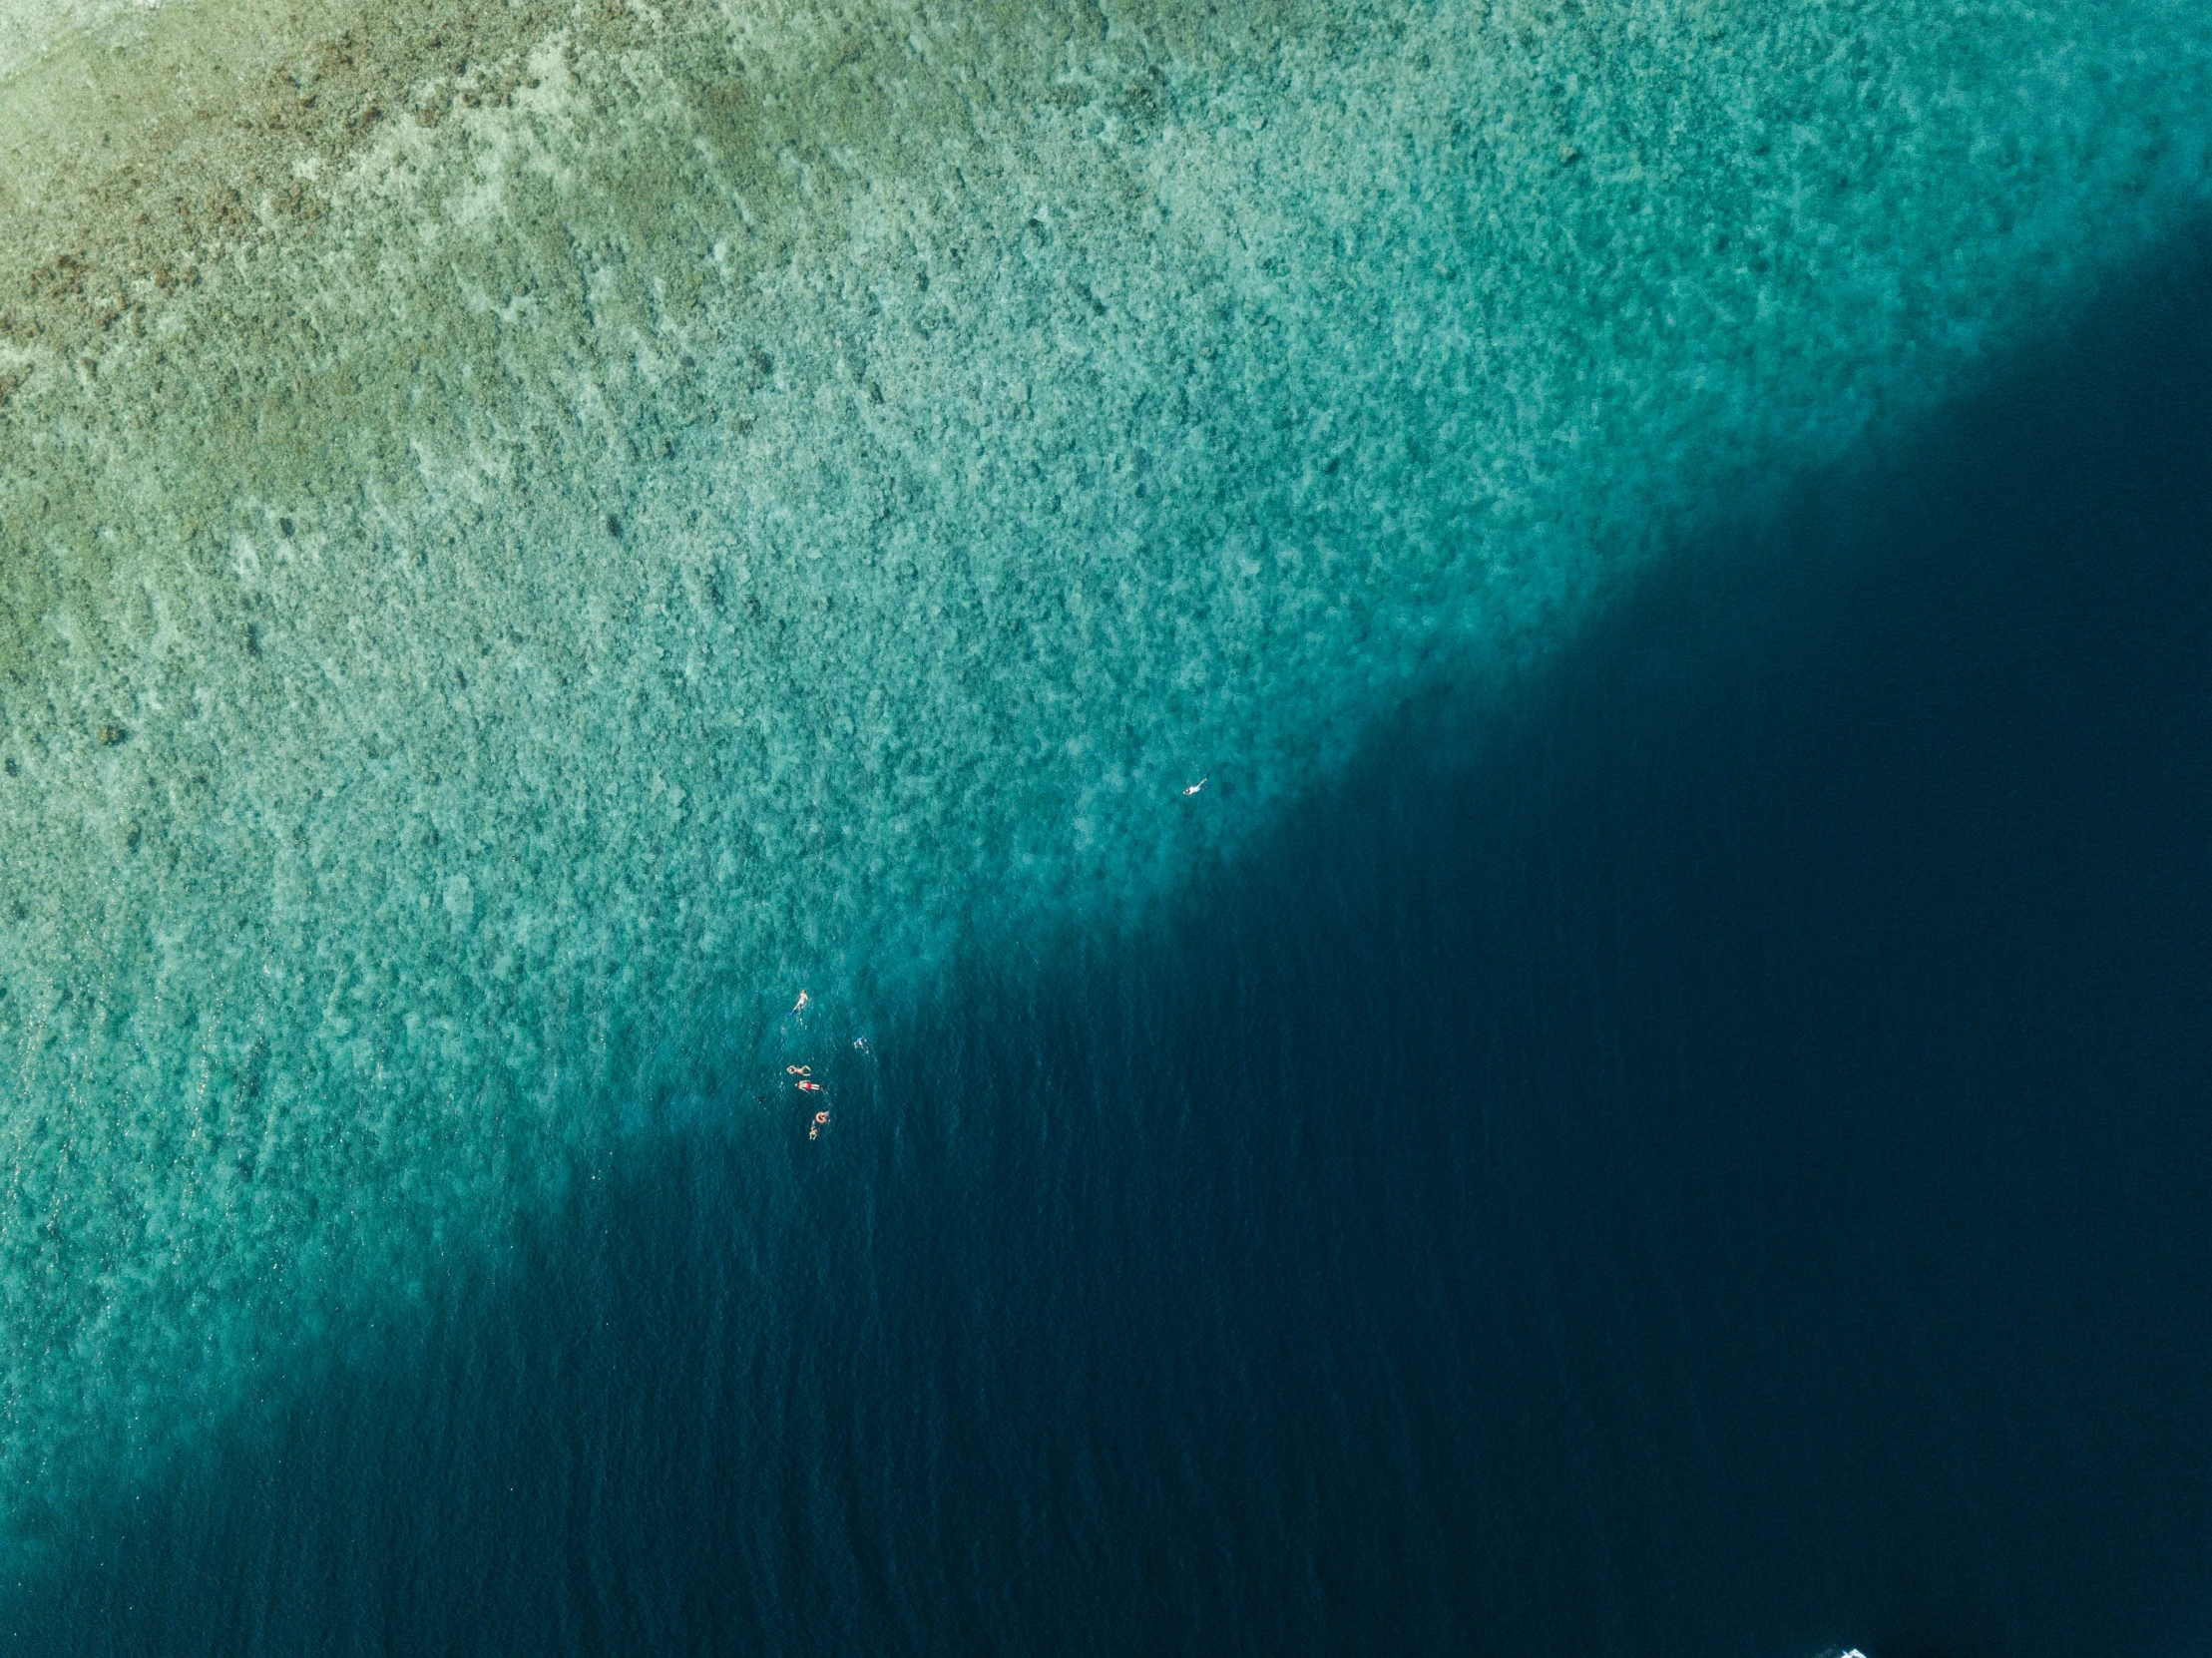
x,y
799,1070
811,1088
862,1042
1197,786
821,1122
799,1007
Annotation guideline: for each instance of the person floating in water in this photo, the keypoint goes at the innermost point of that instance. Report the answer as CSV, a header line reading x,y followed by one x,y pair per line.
x,y
799,1070
810,1087
1198,786
799,1007
821,1122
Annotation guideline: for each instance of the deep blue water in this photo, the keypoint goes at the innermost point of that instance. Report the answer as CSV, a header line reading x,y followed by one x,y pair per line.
x,y
1716,1158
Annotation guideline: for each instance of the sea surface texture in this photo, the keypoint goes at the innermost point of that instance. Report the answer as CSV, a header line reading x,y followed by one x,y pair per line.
x,y
533,535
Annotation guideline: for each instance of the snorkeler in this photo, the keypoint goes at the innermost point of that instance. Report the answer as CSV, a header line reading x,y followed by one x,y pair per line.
x,y
1198,785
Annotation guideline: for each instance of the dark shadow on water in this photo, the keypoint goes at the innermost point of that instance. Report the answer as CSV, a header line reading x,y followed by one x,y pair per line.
x,y
1714,1161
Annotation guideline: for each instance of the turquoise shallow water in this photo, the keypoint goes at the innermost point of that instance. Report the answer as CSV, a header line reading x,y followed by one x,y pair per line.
x,y
527,539
1705,1157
